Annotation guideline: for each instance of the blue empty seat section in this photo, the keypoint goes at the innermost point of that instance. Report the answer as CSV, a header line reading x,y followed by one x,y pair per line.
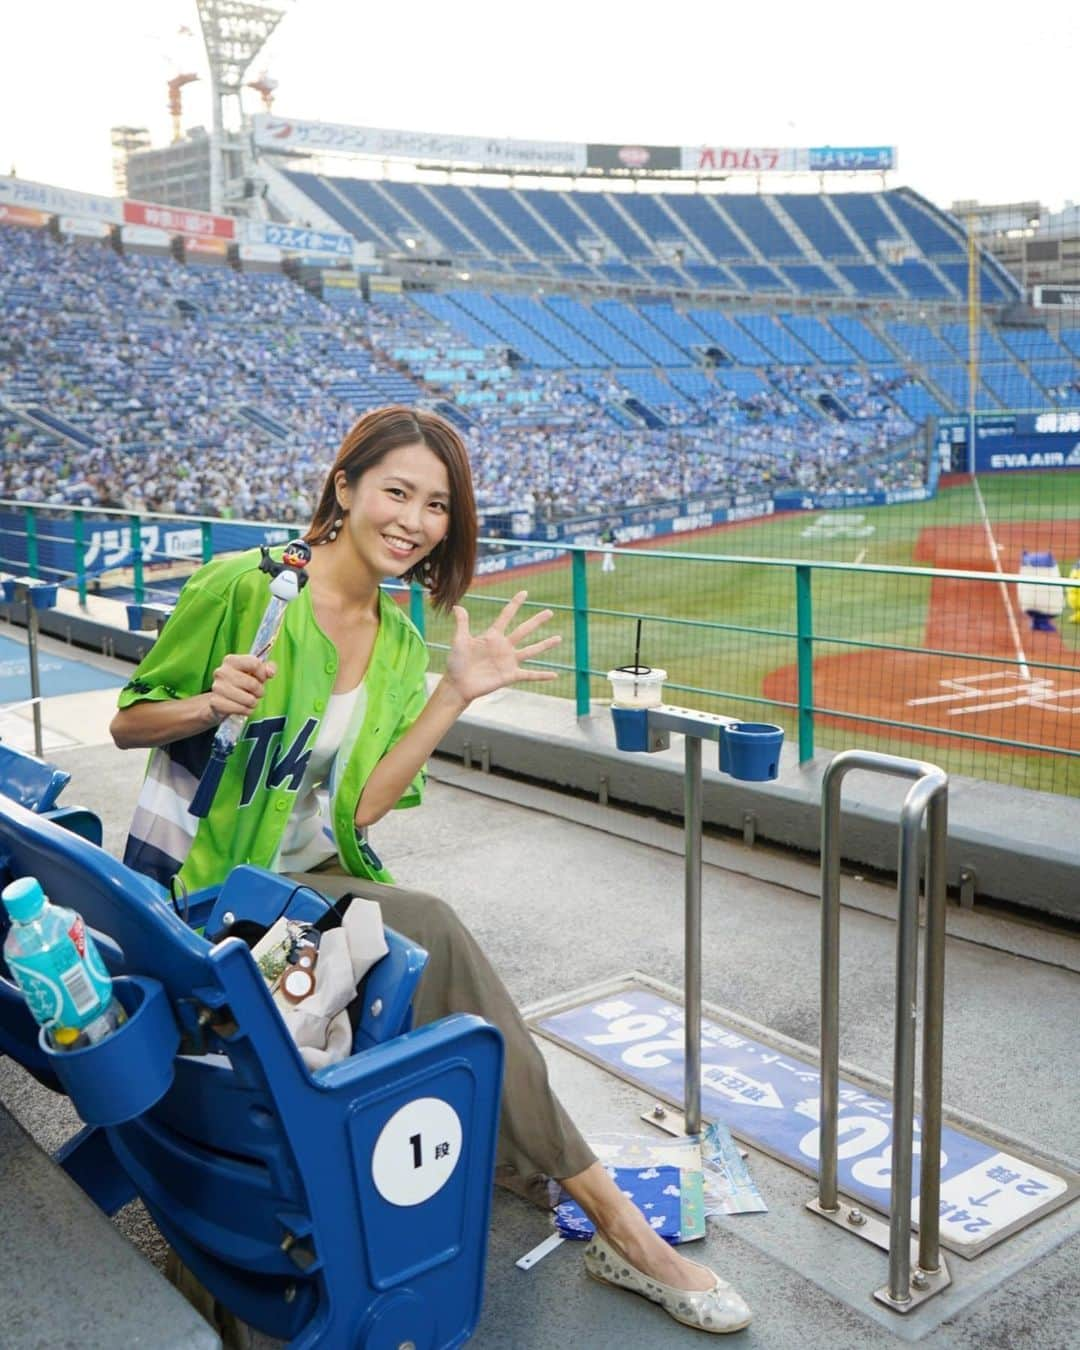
x,y
620,271
663,274
753,217
743,383
759,278
694,384
411,197
444,310
707,226
1032,344
638,330
607,339
1009,384
814,217
651,389
709,274
826,345
726,334
809,279
953,383
561,216
991,288
864,214
376,207
575,271
918,280
459,203
777,340
521,222
529,345
867,279
675,325
1060,379
856,334
932,235
1070,338
607,220
919,342
562,336
991,347
650,216
320,193
916,400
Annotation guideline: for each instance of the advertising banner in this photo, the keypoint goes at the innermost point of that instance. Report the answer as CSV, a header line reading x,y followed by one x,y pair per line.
x,y
705,159
851,159
179,220
1056,297
197,247
298,239
628,158
1012,442
82,229
144,236
708,159
59,201
23,215
293,136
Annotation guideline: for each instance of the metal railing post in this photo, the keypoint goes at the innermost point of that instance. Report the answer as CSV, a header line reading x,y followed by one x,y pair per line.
x,y
692,957
804,656
137,560
581,631
928,797
80,559
30,517
207,531
416,606
933,1033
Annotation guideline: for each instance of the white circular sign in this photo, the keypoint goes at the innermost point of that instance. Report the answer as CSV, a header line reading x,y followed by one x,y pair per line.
x,y
416,1151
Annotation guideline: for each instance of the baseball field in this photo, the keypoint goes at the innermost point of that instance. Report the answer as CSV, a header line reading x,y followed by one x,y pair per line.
x,y
724,630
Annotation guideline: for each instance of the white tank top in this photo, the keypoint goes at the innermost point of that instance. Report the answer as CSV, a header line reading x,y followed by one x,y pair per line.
x,y
309,835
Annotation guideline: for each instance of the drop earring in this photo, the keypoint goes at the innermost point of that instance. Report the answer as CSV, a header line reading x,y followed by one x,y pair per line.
x,y
336,526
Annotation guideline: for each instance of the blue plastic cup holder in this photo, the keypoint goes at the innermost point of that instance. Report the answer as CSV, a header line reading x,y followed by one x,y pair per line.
x,y
132,1068
751,750
631,728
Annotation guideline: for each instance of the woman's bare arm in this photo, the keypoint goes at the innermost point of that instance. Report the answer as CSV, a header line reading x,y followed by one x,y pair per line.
x,y
237,688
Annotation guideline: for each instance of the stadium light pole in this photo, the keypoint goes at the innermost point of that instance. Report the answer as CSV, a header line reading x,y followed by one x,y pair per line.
x,y
235,31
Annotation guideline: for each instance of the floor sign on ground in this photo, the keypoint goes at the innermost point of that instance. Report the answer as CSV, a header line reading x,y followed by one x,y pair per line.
x,y
771,1099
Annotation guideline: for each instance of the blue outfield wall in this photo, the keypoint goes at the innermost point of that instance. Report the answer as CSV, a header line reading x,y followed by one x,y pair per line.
x,y
1011,442
107,545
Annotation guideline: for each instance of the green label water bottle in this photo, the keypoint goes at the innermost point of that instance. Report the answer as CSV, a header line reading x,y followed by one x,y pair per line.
x,y
53,960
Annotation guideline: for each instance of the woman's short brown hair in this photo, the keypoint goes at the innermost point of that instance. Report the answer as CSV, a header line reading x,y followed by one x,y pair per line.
x,y
448,569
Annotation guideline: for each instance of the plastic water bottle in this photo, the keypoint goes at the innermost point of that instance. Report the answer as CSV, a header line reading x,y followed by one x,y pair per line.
x,y
53,960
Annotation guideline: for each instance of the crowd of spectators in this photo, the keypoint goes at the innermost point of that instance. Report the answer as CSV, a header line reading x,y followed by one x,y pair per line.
x,y
201,390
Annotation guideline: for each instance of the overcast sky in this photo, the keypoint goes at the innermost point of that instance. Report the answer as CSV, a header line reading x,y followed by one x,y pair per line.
x,y
977,107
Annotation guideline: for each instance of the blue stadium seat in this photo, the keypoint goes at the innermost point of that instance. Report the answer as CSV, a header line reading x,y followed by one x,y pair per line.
x,y
814,216
781,344
809,279
706,226
636,328
856,334
753,216
824,343
293,1196
726,334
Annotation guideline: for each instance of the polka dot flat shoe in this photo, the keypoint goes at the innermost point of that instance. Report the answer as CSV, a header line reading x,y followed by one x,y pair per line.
x,y
719,1309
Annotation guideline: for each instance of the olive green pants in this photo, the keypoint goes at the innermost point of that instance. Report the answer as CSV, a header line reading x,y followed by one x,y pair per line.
x,y
537,1139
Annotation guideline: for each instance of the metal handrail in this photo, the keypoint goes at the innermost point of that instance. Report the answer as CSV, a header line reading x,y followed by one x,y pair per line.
x,y
927,797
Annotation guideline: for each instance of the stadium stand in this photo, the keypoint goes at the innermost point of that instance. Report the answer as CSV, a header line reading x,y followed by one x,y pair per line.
x,y
113,365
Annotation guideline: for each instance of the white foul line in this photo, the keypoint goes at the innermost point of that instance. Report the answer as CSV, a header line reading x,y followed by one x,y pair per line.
x,y
860,556
995,553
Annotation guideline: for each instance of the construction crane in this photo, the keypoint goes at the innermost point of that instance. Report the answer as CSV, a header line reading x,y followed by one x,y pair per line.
x,y
176,85
264,86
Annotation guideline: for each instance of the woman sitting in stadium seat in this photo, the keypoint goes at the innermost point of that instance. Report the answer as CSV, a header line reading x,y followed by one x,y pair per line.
x,y
347,694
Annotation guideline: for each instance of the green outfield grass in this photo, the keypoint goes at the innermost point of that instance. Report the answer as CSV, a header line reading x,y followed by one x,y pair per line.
x,y
851,604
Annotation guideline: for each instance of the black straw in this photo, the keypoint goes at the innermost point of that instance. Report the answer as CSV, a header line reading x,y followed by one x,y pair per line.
x,y
637,655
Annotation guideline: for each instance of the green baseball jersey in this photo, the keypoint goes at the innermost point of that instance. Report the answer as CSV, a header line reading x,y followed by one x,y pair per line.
x,y
218,613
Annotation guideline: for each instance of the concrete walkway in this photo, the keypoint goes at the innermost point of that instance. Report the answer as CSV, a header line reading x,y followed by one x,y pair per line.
x,y
565,894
